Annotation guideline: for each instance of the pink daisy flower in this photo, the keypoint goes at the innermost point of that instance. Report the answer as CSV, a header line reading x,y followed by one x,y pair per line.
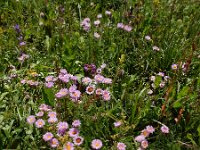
x,y
162,74
63,71
90,89
145,133
117,124
121,146
99,78
49,84
31,119
120,25
40,114
39,123
140,138
106,95
72,88
99,91
144,144
107,81
164,129
96,144
52,114
78,140
73,132
174,67
49,78
54,143
86,80
150,129
76,123
75,94
127,28
62,126
68,146
62,93
47,136
52,120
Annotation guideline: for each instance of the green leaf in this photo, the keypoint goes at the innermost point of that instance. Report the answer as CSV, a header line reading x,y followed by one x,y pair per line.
x,y
177,104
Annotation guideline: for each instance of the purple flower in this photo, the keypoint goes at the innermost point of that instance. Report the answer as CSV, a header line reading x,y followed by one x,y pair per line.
x,y
44,107
40,114
96,144
90,89
75,95
140,138
144,144
86,80
63,71
68,146
145,132
73,132
31,119
121,146
120,25
17,28
48,136
52,120
127,28
78,140
150,129
76,123
23,81
99,78
62,127
62,93
39,123
174,67
86,24
99,91
72,88
162,74
22,43
107,81
164,129
64,78
54,143
52,114
117,124
49,84
49,78
106,95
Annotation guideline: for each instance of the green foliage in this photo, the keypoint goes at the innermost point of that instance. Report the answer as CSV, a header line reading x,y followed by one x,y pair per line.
x,y
55,39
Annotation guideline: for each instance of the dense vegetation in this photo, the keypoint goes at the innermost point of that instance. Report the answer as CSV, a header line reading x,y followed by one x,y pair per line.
x,y
123,72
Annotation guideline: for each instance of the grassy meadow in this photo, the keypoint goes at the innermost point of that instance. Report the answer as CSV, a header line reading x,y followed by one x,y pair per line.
x,y
100,74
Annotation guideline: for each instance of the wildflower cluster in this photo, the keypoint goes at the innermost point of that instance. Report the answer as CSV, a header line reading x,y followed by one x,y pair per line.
x,y
74,88
158,80
124,27
59,134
